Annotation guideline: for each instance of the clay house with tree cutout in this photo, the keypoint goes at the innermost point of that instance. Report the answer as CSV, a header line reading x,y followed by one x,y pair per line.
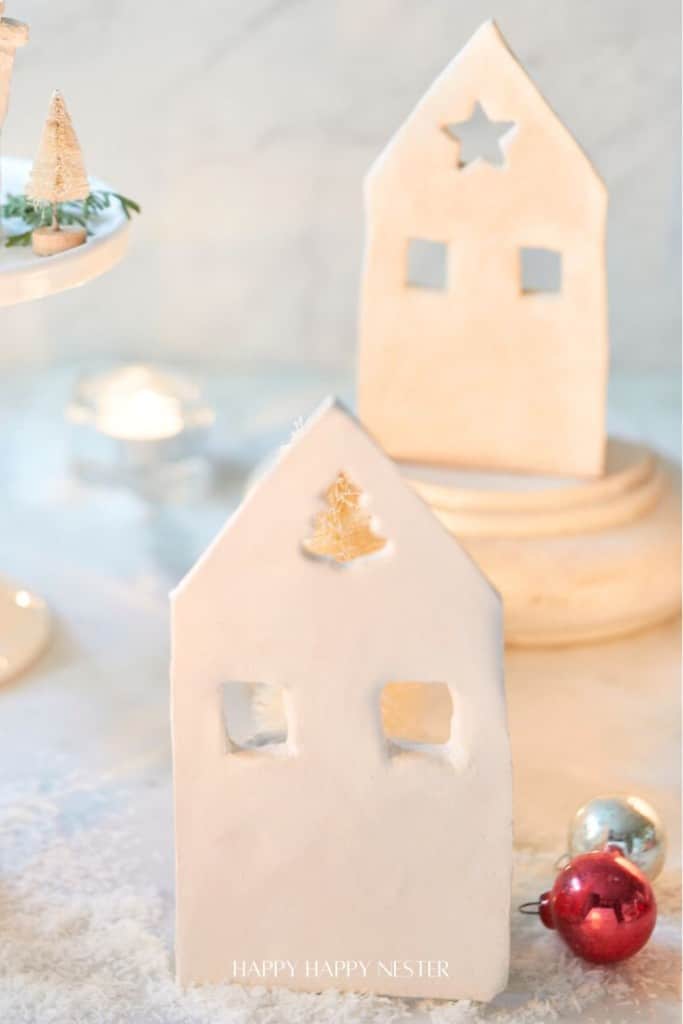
x,y
483,322
341,757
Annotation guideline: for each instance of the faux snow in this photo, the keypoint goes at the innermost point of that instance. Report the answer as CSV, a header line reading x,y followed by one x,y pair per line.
x,y
86,930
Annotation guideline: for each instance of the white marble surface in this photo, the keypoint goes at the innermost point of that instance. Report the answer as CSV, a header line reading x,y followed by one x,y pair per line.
x,y
245,130
86,880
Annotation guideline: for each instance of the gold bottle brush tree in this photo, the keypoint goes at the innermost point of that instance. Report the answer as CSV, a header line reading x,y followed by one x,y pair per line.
x,y
58,176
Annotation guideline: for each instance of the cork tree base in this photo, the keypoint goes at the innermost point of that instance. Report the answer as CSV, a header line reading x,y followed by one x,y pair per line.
x,y
49,242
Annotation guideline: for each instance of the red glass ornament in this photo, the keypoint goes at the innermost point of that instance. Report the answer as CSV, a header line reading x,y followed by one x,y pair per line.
x,y
602,905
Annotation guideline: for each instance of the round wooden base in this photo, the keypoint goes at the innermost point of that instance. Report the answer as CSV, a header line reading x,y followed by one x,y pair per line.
x,y
50,241
574,561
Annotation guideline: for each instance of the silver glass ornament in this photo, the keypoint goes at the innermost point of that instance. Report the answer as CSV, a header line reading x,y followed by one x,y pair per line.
x,y
624,821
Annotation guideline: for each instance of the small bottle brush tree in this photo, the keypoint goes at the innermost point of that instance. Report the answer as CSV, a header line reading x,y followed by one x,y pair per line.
x,y
58,176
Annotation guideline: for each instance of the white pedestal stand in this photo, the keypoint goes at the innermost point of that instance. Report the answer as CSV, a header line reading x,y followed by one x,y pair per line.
x,y
25,617
574,560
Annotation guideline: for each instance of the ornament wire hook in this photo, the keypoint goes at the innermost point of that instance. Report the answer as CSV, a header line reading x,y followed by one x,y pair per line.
x,y
524,908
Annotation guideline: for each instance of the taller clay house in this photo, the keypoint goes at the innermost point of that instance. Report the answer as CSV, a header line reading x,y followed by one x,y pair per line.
x,y
13,34
484,300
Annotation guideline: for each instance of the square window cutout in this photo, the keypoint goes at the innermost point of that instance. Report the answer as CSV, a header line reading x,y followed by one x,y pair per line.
x,y
541,271
427,264
255,718
417,718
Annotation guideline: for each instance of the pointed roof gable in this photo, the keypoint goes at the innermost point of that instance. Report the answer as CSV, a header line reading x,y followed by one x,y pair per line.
x,y
290,492
484,71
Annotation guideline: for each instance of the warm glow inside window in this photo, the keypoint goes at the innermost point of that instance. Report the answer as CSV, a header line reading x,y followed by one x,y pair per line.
x,y
416,716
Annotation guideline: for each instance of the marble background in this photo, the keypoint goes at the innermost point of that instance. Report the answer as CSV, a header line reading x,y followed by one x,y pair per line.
x,y
245,129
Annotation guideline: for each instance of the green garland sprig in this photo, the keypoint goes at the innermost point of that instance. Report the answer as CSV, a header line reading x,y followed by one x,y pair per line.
x,y
81,211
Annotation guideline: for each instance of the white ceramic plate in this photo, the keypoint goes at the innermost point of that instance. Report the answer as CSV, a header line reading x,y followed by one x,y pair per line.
x,y
25,276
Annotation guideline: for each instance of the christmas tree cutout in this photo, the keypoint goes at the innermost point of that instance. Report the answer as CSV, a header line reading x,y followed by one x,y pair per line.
x,y
343,531
58,176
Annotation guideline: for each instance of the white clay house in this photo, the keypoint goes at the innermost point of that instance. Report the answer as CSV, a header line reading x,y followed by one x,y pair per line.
x,y
484,302
341,759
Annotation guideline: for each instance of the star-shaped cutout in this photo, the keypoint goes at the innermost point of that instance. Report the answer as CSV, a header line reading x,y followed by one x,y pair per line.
x,y
480,138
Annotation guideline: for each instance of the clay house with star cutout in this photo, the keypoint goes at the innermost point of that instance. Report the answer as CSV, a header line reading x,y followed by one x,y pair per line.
x,y
483,319
341,759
